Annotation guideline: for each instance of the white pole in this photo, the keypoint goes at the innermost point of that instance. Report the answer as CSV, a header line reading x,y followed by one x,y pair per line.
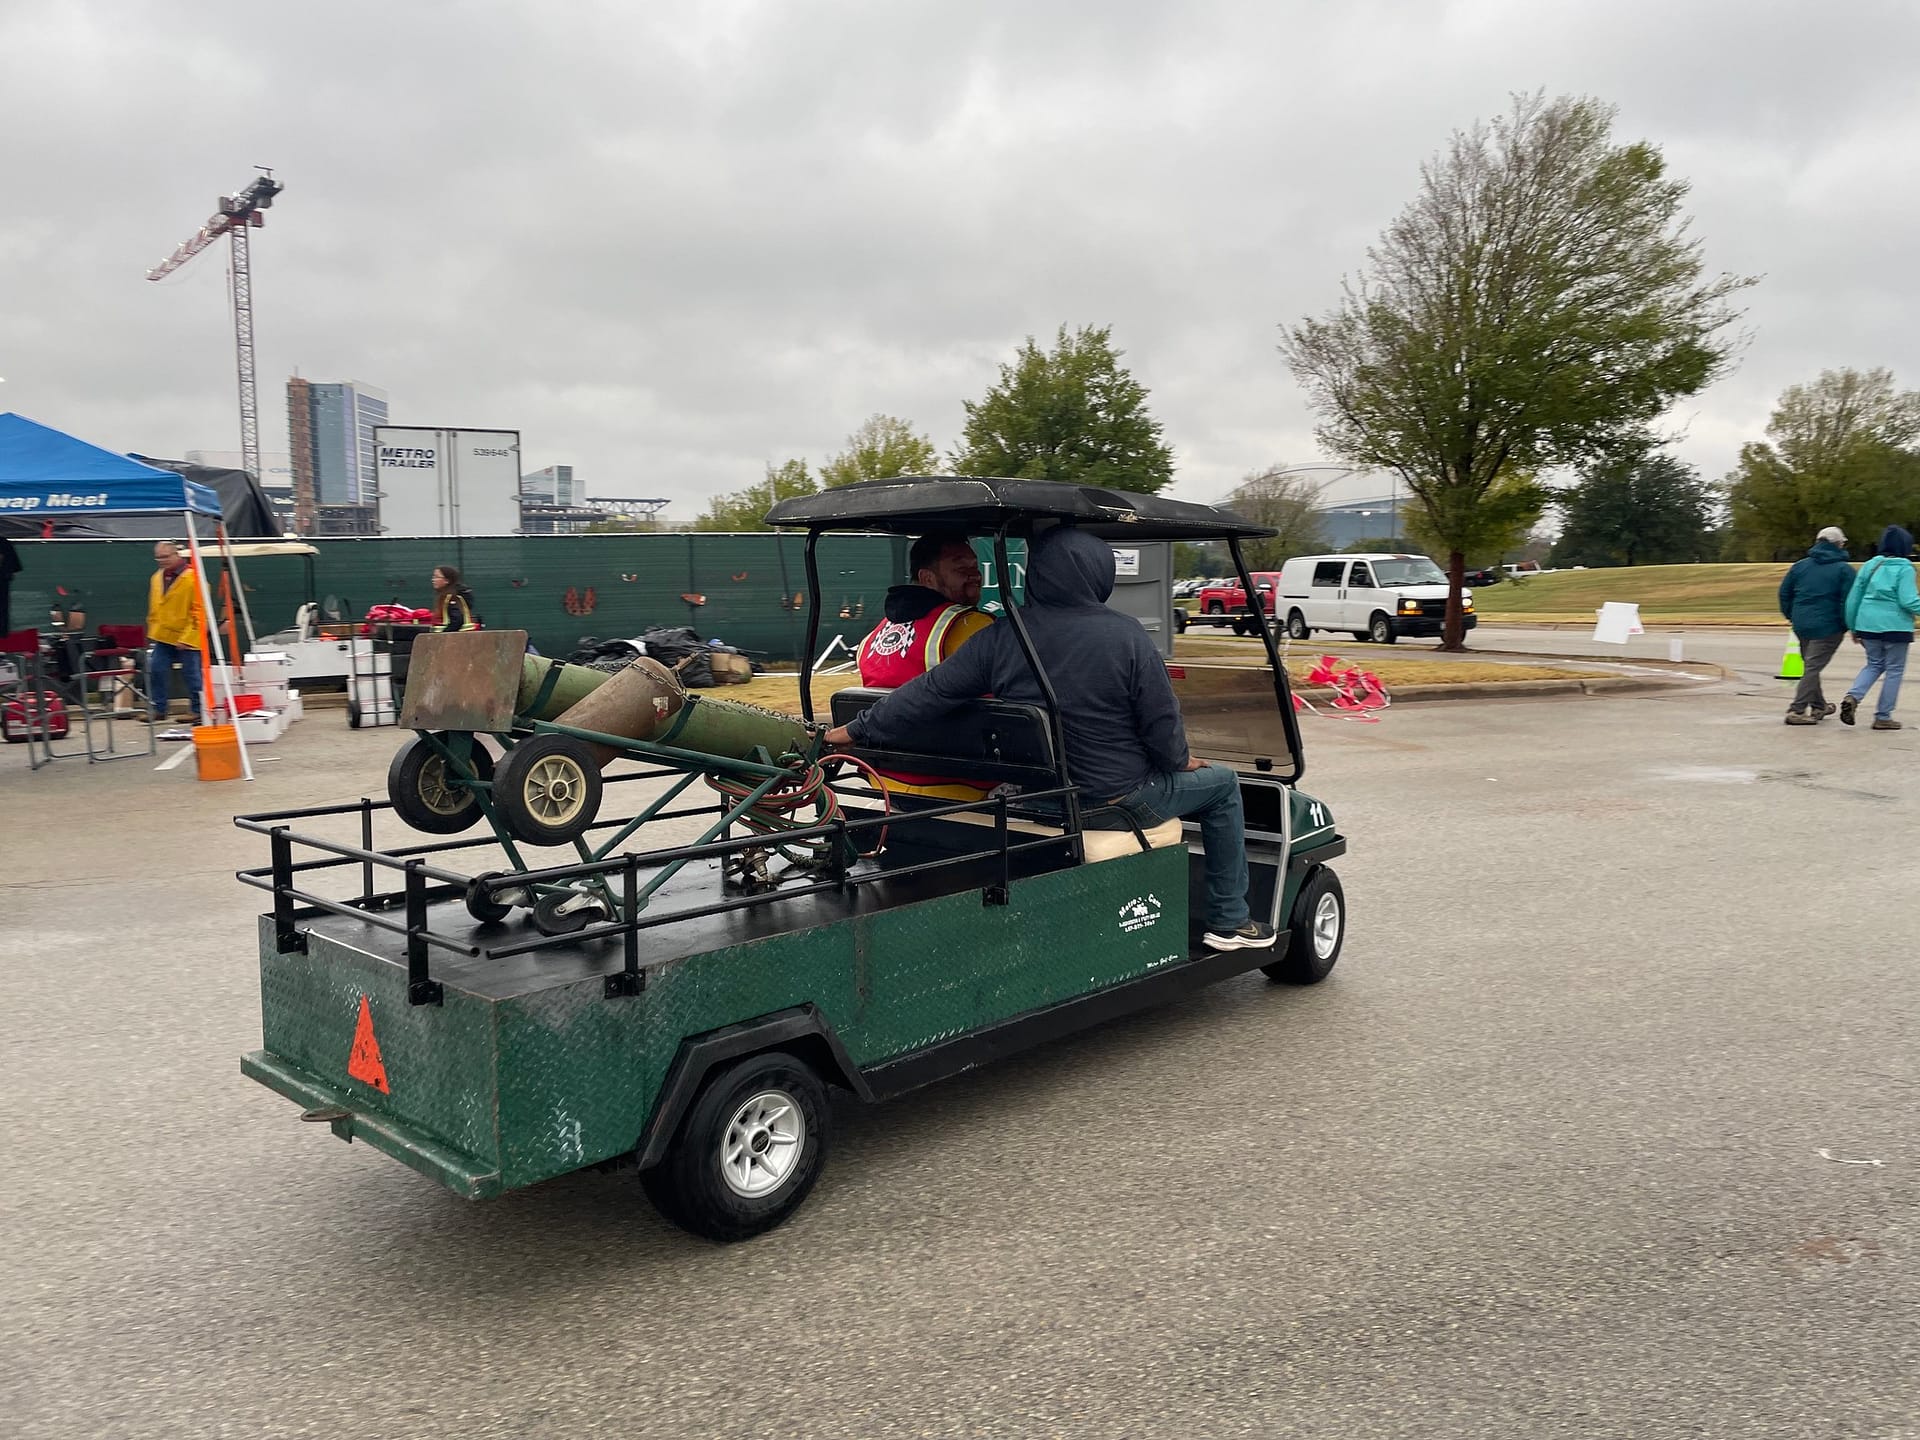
x,y
218,647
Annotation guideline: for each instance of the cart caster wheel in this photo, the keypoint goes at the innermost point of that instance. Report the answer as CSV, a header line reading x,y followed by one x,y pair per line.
x,y
429,793
491,910
749,1151
547,789
550,919
1315,933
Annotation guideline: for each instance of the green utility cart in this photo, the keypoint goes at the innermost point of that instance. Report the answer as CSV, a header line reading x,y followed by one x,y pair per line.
x,y
703,998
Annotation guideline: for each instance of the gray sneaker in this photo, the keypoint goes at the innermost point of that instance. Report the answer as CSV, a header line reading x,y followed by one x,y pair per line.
x,y
1254,935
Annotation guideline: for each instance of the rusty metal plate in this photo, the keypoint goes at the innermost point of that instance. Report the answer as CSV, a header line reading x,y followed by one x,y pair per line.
x,y
467,680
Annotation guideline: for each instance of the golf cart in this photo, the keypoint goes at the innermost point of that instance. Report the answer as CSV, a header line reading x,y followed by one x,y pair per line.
x,y
683,1010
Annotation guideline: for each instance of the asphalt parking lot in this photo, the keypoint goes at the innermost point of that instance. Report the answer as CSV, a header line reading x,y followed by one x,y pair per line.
x,y
1604,1126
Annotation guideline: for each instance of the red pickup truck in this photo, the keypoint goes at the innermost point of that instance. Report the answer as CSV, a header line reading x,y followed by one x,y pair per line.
x,y
1226,604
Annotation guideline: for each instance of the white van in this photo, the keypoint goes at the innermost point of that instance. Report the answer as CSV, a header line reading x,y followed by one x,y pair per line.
x,y
1373,597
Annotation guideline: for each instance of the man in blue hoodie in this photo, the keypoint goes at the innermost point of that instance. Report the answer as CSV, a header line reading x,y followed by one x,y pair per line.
x,y
1125,743
1813,597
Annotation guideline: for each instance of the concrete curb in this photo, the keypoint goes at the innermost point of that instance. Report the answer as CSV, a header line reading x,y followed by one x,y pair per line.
x,y
1522,689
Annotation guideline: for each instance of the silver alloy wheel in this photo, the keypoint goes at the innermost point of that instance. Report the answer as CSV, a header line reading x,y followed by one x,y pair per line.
x,y
555,789
763,1144
1326,926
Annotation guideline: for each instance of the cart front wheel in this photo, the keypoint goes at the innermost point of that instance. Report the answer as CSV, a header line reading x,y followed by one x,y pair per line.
x,y
429,792
1315,933
548,790
750,1150
567,913
491,909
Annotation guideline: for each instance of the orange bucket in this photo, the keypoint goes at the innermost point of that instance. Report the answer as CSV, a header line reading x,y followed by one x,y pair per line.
x,y
216,752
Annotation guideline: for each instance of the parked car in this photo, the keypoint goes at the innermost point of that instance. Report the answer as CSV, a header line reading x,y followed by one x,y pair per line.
x,y
1223,602
1372,597
1483,577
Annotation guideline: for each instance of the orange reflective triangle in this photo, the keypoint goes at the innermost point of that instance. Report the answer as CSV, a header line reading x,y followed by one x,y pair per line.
x,y
363,1061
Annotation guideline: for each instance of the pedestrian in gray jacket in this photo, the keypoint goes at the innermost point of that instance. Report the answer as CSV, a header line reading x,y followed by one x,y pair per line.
x,y
1813,597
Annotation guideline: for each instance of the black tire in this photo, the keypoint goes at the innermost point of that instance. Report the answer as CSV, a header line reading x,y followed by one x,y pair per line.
x,y
1311,951
548,919
481,906
1214,607
1179,622
353,716
1242,627
426,795
547,790
697,1189
1380,628
1297,628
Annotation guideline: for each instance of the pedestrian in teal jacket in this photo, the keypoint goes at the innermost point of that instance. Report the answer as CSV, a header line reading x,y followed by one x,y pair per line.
x,y
1813,597
1881,608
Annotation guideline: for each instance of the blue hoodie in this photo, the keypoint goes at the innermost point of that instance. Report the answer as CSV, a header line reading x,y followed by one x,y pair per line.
x,y
1883,601
1117,706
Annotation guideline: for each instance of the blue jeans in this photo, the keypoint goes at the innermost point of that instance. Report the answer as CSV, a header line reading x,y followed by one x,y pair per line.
x,y
160,660
1210,795
1887,663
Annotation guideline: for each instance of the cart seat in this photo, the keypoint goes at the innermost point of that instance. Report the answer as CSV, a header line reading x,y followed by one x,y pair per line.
x,y
1112,844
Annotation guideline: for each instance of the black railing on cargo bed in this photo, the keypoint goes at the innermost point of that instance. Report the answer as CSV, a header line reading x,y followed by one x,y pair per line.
x,y
423,883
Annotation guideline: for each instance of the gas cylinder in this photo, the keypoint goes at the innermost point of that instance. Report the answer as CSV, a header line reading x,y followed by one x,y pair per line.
x,y
636,702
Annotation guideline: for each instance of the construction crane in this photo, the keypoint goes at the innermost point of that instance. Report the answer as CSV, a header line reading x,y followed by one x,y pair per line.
x,y
237,215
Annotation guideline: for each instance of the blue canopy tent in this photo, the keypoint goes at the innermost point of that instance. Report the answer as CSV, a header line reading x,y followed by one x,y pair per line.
x,y
46,473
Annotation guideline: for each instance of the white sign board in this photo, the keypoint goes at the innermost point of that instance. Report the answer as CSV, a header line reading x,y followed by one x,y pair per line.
x,y
1615,621
442,483
1126,562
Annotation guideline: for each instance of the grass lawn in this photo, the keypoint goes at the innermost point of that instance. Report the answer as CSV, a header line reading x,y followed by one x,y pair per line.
x,y
1672,594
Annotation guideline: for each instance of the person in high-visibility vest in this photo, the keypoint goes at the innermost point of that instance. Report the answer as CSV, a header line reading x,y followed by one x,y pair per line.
x,y
174,624
926,621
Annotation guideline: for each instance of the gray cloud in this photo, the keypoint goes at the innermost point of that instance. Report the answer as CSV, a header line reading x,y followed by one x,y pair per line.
x,y
670,243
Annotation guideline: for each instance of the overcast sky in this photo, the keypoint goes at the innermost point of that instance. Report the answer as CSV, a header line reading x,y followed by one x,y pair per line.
x,y
671,242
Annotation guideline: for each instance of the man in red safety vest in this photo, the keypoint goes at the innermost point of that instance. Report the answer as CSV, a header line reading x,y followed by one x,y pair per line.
x,y
926,621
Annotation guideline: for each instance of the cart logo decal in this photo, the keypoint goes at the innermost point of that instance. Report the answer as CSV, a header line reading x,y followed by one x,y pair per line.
x,y
1318,813
363,1061
1140,913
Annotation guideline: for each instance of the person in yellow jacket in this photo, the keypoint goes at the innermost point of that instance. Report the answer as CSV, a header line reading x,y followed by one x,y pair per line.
x,y
175,624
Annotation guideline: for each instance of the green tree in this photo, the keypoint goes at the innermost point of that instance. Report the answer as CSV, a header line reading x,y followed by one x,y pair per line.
x,y
880,449
747,509
1197,561
1640,507
1287,504
1538,302
1840,451
1497,525
1070,414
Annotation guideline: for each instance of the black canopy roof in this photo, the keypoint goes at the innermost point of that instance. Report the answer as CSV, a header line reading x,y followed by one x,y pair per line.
x,y
915,504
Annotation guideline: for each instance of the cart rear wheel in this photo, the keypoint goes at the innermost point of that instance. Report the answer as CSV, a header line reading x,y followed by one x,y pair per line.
x,y
429,793
749,1151
1315,933
548,789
